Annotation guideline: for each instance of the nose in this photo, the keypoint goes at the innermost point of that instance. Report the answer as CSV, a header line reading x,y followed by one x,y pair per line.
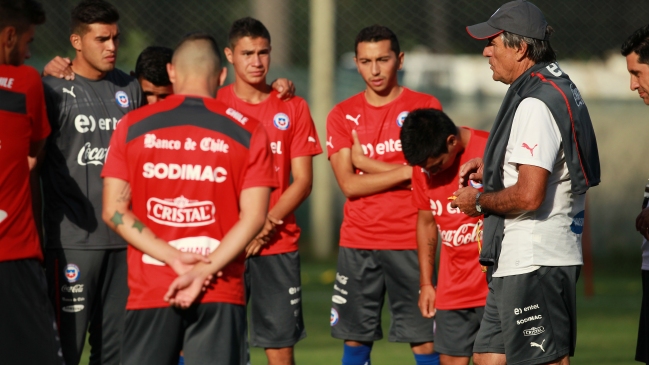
x,y
487,51
376,70
634,83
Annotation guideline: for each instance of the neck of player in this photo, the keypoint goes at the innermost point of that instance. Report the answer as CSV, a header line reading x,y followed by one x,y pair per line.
x,y
196,86
82,68
251,93
463,136
383,97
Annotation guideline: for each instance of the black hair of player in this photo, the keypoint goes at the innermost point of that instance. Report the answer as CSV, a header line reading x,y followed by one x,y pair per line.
x,y
91,12
247,27
424,134
20,14
152,63
638,43
202,36
376,33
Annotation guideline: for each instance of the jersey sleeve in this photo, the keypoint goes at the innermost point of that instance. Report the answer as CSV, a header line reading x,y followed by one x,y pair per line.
x,y
116,165
305,141
36,108
260,162
419,186
535,135
338,135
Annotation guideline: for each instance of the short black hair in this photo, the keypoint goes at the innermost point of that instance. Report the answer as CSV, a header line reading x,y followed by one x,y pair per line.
x,y
152,63
424,134
638,43
376,33
247,27
90,12
202,36
21,14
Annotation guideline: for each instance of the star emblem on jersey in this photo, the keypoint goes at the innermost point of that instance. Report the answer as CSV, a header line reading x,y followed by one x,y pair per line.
x,y
333,320
534,344
281,121
3,215
122,99
355,120
71,92
401,118
72,273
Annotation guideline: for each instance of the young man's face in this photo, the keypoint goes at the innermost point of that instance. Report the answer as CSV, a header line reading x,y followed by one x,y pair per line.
x,y
378,65
639,76
501,59
251,59
20,52
435,165
154,93
98,46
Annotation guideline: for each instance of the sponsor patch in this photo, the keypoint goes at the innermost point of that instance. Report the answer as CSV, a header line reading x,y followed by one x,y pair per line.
x,y
338,299
75,289
201,245
534,331
281,121
401,118
333,320
122,99
181,212
577,225
73,308
577,95
294,290
72,273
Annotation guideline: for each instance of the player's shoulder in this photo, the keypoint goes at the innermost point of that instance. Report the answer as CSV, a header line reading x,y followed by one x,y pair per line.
x,y
224,93
352,101
19,79
239,118
24,72
418,98
482,135
120,78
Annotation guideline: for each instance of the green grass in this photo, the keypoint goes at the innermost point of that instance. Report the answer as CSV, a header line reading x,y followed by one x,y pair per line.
x,y
607,322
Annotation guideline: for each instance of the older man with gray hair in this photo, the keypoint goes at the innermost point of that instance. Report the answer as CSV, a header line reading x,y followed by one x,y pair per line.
x,y
540,159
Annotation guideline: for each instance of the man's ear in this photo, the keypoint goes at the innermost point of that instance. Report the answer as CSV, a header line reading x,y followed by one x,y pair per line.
x,y
172,73
228,54
521,51
400,58
223,75
75,40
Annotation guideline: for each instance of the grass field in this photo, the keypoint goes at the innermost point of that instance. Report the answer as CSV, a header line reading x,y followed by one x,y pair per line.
x,y
607,322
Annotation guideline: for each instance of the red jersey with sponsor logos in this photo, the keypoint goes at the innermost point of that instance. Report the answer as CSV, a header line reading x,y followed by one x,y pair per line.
x,y
292,134
23,120
187,160
387,220
461,283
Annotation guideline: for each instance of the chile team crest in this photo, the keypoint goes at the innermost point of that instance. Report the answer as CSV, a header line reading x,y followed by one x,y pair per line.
x,y
401,118
122,99
72,273
281,121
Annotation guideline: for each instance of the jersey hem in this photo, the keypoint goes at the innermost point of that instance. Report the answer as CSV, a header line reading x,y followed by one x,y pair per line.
x,y
87,247
380,247
279,252
139,305
469,305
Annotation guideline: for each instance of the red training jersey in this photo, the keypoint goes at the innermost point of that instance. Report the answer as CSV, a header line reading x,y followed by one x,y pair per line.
x,y
461,283
24,120
187,160
387,220
292,134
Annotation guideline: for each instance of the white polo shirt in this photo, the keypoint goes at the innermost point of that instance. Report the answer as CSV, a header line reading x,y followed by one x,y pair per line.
x,y
550,235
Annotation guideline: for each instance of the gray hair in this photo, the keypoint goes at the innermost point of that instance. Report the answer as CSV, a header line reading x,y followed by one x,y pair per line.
x,y
537,50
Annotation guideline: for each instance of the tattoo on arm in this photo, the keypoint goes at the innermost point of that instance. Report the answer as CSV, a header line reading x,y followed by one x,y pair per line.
x,y
117,219
138,225
125,194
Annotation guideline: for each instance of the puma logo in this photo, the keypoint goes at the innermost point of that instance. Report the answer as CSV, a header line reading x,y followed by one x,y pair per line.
x,y
534,344
3,215
329,143
355,120
530,148
71,92
276,168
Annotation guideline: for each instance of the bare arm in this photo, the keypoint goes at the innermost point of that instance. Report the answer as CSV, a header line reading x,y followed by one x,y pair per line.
x,y
354,185
526,195
118,216
297,192
253,203
366,164
426,250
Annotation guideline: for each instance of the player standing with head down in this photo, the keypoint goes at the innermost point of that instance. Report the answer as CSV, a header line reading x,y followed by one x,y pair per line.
x,y
200,175
151,73
28,332
273,264
377,238
436,149
85,260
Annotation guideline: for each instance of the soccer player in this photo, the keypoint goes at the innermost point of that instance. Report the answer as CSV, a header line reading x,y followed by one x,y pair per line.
x,y
151,73
85,260
197,173
540,159
436,149
273,264
28,332
636,51
377,239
